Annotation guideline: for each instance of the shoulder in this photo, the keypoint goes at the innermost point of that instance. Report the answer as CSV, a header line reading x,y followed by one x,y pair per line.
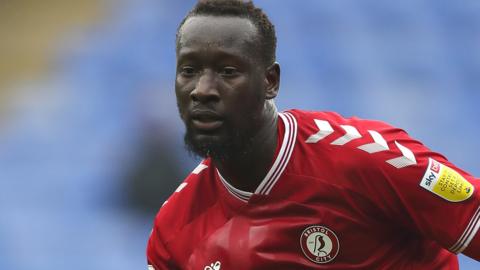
x,y
332,123
196,190
333,130
353,143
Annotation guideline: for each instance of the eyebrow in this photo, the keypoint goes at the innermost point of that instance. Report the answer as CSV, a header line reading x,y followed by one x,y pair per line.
x,y
196,55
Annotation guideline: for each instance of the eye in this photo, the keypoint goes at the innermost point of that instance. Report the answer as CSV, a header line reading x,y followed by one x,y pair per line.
x,y
187,71
229,71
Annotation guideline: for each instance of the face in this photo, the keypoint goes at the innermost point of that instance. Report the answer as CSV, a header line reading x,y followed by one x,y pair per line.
x,y
220,84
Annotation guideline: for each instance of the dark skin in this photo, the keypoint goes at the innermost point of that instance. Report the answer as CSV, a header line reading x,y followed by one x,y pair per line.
x,y
223,88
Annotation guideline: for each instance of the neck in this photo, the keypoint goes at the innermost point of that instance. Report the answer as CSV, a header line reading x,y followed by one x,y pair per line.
x,y
246,171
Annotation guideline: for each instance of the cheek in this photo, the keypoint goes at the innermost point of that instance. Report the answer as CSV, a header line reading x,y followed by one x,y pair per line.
x,y
180,95
258,87
181,90
182,101
182,85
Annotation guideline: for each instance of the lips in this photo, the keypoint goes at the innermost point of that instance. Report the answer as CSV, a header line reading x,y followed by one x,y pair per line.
x,y
206,120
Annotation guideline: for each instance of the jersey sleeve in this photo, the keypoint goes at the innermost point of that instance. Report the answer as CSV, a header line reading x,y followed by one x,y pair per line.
x,y
421,189
158,257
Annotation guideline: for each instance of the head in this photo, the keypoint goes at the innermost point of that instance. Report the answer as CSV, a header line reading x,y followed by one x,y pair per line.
x,y
266,39
226,76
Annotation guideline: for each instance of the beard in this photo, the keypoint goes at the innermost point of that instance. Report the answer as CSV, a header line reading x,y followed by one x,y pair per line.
x,y
232,143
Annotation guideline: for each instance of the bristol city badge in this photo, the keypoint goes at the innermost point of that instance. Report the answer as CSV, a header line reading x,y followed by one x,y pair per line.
x,y
319,244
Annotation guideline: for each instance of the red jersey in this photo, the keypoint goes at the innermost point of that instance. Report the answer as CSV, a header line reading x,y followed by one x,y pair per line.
x,y
340,194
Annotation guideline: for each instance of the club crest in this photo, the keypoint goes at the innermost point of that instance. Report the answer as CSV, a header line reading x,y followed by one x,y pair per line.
x,y
319,244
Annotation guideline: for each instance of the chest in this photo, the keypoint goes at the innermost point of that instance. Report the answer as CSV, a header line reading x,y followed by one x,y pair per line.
x,y
312,233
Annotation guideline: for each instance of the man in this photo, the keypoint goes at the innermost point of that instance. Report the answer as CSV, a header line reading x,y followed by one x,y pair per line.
x,y
297,189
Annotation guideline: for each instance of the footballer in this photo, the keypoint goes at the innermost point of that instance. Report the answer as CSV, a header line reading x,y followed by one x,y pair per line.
x,y
297,189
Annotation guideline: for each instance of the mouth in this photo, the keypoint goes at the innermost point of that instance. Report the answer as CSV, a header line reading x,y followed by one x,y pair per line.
x,y
205,120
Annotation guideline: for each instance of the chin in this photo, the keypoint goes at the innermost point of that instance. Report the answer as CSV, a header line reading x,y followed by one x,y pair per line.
x,y
219,146
205,145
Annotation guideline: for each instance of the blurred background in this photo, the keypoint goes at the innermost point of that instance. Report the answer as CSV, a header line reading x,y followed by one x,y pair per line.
x,y
91,143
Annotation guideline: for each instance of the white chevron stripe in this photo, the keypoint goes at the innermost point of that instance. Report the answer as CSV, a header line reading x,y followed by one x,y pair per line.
x,y
180,187
378,145
351,134
199,168
324,129
407,158
468,234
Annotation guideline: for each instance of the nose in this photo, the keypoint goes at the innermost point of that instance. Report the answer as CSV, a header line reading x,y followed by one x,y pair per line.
x,y
206,88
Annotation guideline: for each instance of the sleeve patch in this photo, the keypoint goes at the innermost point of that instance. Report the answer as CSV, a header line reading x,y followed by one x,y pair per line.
x,y
446,182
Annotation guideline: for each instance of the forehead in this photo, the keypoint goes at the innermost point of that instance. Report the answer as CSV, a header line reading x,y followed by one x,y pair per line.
x,y
204,32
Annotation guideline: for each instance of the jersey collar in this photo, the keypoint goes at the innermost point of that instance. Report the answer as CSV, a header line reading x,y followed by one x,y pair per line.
x,y
279,165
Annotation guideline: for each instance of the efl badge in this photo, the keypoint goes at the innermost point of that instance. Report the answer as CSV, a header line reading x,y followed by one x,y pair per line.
x,y
446,182
319,244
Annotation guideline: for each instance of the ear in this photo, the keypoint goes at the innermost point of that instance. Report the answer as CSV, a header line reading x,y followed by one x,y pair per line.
x,y
272,81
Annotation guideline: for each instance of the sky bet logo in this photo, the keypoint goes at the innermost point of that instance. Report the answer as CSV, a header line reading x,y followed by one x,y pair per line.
x,y
432,174
429,179
435,166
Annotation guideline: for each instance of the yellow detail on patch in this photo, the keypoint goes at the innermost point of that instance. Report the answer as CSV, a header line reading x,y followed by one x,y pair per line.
x,y
452,186
446,182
